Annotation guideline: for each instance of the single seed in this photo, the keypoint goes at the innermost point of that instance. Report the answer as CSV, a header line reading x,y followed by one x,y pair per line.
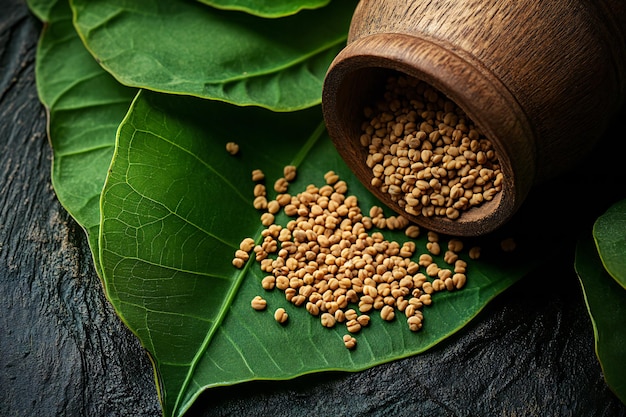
x,y
289,172
232,148
258,303
281,185
247,244
257,175
353,326
349,341
280,315
260,203
259,190
412,231
268,283
474,252
415,323
387,313
327,320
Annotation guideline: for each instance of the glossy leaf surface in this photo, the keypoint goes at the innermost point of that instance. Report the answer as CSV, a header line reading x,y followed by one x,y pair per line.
x,y
175,207
85,106
267,8
606,302
186,47
609,232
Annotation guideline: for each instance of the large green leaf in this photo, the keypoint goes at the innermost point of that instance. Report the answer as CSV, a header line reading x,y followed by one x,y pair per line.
x,y
175,207
85,106
185,47
606,302
609,232
267,8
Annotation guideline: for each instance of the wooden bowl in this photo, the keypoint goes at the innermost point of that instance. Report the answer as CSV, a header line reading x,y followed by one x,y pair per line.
x,y
540,80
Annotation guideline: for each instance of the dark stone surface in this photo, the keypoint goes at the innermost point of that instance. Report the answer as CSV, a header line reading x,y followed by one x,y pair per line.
x,y
63,351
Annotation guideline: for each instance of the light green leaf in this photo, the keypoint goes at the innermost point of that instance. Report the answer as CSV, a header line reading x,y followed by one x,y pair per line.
x,y
606,302
267,8
175,207
609,232
185,47
85,106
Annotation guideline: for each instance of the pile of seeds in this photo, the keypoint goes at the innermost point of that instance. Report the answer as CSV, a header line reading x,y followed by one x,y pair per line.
x,y
426,154
325,260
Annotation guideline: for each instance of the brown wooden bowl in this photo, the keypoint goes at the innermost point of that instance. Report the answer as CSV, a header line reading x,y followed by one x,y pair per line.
x,y
542,106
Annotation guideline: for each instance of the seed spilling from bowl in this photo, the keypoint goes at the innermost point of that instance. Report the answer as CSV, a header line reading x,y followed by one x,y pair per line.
x,y
326,261
425,153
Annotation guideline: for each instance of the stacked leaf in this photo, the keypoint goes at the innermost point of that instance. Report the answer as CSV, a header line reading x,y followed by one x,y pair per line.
x,y
142,98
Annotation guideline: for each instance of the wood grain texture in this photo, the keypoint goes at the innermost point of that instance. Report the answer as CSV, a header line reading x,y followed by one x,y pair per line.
x,y
63,351
542,80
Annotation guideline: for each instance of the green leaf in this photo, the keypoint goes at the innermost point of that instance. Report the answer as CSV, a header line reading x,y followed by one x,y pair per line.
x,y
609,232
267,8
184,47
606,302
85,106
176,206
41,8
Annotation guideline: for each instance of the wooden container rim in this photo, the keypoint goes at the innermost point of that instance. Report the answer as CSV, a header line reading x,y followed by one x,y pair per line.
x,y
350,84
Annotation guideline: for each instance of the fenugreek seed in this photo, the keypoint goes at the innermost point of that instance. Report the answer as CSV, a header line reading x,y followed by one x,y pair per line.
x,y
387,313
327,320
349,341
289,172
258,303
425,299
432,270
450,257
415,323
273,207
363,320
459,280
267,219
427,287
269,282
232,148
259,190
247,244
474,252
438,285
260,203
282,282
351,314
460,266
353,326
280,315
281,185
257,175
434,248
340,316
238,263
331,178
425,260
312,308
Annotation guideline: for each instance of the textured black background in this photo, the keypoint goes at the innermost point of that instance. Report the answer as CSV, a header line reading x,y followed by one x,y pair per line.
x,y
63,351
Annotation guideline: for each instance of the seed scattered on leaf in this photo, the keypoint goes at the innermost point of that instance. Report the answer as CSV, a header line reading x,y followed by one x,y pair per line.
x,y
349,341
232,148
258,303
257,175
328,259
281,316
